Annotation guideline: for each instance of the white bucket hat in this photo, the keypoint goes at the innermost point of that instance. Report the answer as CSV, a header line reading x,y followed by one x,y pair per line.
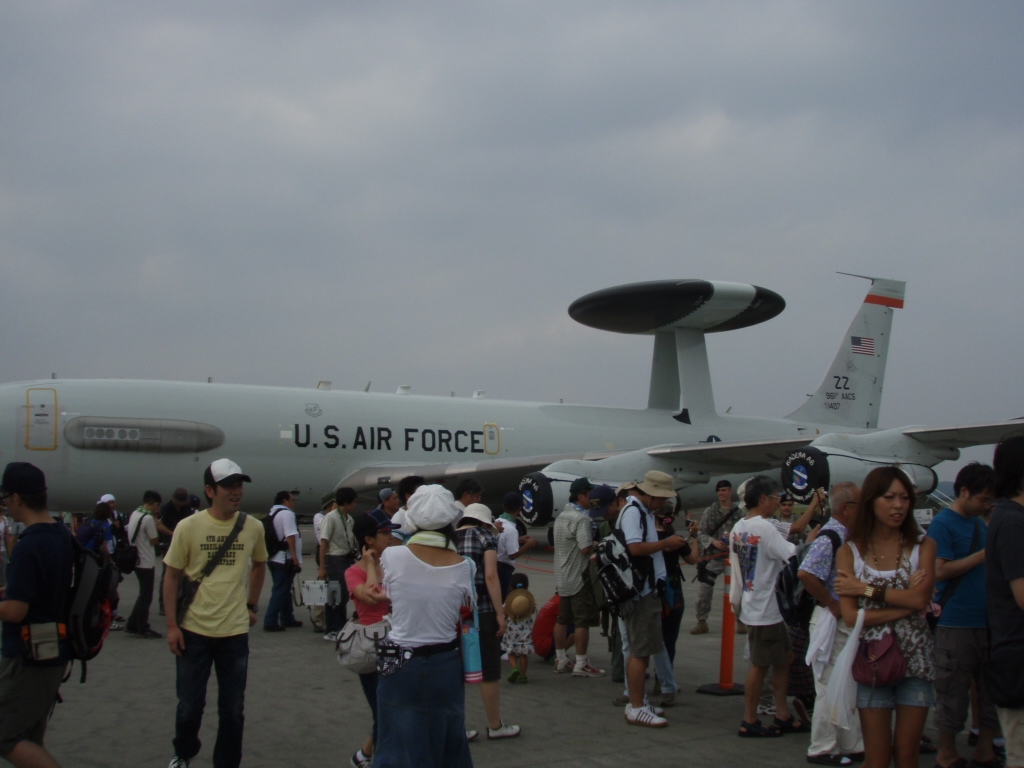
x,y
431,508
479,512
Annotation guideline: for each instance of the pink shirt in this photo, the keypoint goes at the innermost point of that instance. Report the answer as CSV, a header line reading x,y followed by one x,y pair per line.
x,y
368,613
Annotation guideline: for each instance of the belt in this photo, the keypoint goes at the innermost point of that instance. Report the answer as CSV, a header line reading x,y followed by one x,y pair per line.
x,y
430,650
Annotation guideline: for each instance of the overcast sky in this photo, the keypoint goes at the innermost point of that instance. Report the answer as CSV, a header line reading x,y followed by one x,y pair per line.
x,y
413,193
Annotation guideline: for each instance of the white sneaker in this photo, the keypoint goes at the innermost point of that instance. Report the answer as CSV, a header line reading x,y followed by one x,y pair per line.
x,y
562,666
471,734
644,716
178,762
355,762
656,710
587,670
331,637
503,731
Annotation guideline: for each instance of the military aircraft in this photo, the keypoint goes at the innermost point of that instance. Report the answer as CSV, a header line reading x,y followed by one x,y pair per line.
x,y
122,436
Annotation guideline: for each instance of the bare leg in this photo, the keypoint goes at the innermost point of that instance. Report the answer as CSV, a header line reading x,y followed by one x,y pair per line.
x,y
490,692
28,754
560,630
524,662
368,746
636,671
983,751
582,639
907,741
780,686
752,692
876,725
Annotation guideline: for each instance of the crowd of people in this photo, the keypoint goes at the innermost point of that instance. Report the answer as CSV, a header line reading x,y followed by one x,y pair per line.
x,y
904,622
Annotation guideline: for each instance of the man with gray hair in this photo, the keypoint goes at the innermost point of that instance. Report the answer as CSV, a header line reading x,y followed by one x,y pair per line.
x,y
759,553
830,745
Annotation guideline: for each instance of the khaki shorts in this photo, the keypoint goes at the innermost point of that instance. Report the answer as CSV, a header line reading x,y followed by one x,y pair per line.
x,y
27,695
769,645
1012,722
579,609
643,625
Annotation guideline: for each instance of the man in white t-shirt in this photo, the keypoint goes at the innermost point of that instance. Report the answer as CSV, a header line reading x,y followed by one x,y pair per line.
x,y
284,564
758,553
143,534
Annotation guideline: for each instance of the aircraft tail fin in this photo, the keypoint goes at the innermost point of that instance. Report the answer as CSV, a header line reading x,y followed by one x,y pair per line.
x,y
850,395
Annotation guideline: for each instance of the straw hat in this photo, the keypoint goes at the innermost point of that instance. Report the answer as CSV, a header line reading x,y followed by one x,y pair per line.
x,y
519,604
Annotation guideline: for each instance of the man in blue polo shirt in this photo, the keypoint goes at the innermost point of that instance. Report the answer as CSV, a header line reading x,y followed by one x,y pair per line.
x,y
33,656
961,638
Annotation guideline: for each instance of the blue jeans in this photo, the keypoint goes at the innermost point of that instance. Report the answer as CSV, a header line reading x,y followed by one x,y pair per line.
x,y
422,715
229,656
279,609
369,683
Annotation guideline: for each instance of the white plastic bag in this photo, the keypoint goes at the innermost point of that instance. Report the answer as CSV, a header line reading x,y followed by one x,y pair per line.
x,y
841,694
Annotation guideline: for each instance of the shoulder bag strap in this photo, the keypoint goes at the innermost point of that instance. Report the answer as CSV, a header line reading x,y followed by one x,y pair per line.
x,y
135,535
219,555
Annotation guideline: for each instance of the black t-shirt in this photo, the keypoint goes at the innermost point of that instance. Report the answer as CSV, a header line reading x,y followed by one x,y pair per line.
x,y
40,574
1004,562
170,516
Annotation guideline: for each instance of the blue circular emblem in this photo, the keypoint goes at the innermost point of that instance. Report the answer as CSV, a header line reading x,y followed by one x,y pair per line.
x,y
800,477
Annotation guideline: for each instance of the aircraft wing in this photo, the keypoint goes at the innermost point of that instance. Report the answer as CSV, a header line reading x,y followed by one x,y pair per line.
x,y
962,437
492,473
739,456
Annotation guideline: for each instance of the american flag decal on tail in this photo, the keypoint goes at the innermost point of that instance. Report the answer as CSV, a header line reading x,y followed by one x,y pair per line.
x,y
862,345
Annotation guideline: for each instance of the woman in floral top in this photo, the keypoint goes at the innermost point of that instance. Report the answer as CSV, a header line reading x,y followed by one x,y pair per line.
x,y
887,568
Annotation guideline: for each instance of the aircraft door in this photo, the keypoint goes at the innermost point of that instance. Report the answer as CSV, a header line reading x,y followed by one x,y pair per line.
x,y
41,419
492,439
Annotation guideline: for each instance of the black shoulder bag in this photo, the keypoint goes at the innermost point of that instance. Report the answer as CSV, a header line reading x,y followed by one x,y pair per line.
x,y
187,588
126,554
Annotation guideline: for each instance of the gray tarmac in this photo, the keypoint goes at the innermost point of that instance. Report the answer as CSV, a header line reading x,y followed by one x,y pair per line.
x,y
303,709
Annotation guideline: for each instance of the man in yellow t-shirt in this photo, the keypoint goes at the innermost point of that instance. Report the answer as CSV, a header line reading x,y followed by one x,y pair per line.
x,y
215,629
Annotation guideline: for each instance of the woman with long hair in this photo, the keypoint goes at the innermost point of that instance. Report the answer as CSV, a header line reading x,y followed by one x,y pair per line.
x,y
887,568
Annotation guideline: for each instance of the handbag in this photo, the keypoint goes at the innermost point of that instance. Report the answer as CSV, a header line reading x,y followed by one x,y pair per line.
x,y
356,645
187,588
879,662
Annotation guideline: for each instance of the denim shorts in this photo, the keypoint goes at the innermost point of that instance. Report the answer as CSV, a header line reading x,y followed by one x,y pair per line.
x,y
908,692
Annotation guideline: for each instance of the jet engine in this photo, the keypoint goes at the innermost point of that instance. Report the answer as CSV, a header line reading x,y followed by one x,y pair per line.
x,y
543,493
813,467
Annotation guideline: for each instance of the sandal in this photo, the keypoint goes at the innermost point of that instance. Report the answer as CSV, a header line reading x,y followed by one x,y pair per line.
x,y
792,725
755,730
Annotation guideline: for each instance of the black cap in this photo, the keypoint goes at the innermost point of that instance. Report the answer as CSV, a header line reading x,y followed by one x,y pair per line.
x,y
23,478
723,484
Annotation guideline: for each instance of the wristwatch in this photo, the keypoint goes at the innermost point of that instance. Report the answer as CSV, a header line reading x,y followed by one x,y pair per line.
x,y
253,607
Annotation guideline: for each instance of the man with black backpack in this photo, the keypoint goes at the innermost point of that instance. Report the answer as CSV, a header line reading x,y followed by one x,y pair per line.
x,y
284,547
830,745
34,650
642,614
142,535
